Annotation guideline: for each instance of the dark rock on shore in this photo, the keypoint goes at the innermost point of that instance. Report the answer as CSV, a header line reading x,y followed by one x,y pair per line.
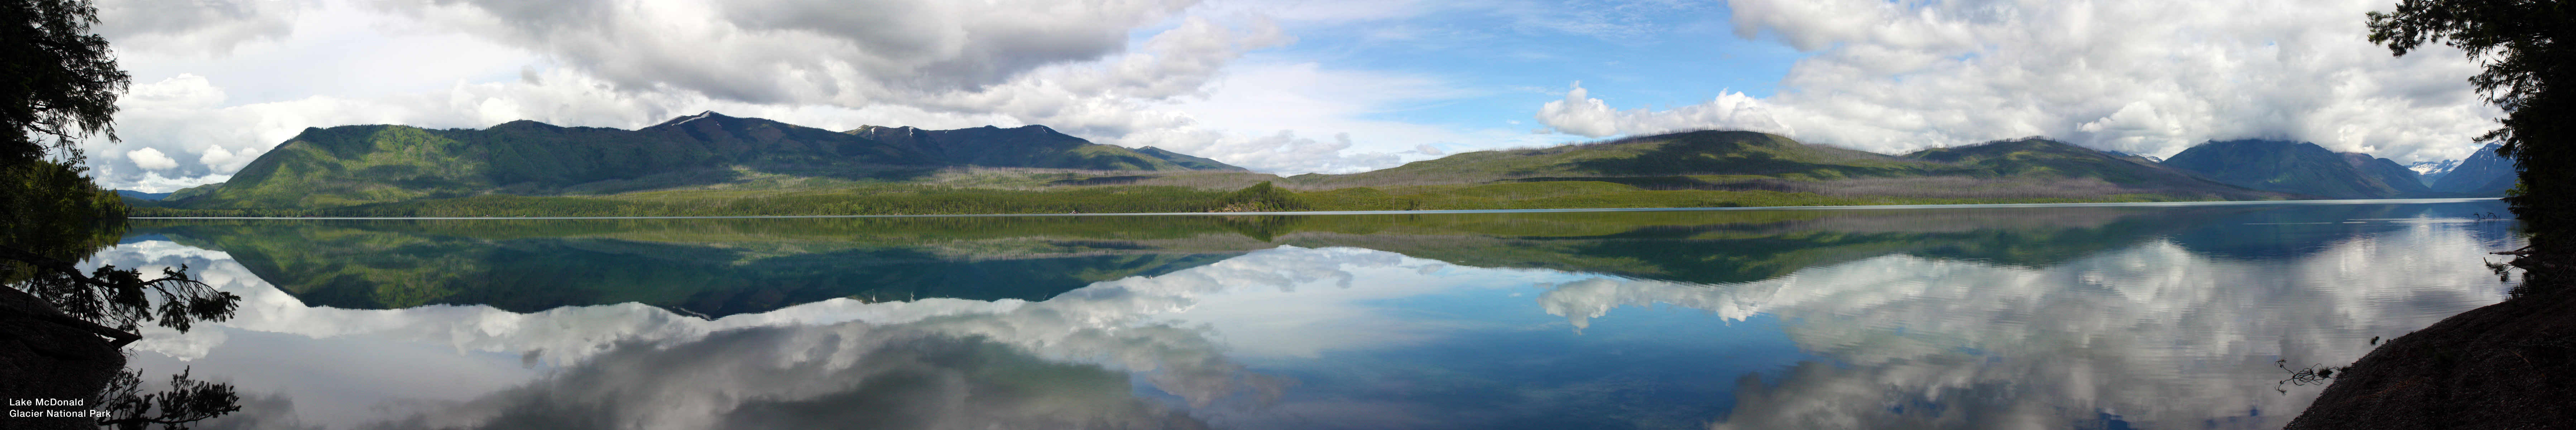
x,y
44,360
2510,365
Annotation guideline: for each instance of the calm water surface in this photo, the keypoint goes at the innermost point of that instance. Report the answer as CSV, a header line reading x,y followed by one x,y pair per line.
x,y
2079,317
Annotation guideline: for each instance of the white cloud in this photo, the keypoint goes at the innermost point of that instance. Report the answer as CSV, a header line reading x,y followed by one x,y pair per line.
x,y
1064,64
2146,77
1590,117
1306,101
215,156
1284,152
151,159
780,51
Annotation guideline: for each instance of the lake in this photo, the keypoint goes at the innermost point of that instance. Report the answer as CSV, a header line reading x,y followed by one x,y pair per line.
x,y
2061,316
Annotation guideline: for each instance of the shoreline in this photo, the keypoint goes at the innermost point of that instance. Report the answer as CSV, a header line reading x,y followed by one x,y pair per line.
x,y
1446,211
2509,365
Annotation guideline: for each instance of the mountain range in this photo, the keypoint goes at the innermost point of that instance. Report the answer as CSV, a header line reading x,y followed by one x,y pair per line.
x,y
1743,160
715,164
2300,167
362,164
2305,168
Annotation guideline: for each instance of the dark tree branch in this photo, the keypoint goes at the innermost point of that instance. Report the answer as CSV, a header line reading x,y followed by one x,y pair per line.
x,y
183,300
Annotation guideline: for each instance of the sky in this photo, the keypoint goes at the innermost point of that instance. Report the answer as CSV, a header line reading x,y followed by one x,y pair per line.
x,y
1288,86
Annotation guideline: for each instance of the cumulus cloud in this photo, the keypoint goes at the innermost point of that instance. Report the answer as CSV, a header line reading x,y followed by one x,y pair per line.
x,y
808,377
2144,77
802,50
1580,114
1284,151
149,158
1316,114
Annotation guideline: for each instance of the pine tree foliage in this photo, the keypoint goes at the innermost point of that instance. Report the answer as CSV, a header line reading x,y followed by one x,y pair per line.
x,y
2529,63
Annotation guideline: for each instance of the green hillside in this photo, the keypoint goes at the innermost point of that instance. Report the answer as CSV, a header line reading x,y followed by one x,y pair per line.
x,y
372,164
352,165
1678,154
2302,168
1748,161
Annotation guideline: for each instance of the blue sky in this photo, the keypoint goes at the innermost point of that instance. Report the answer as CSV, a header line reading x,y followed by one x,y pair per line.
x,y
1513,59
1287,86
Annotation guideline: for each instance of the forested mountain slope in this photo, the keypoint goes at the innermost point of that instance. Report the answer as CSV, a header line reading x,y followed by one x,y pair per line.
x,y
2300,167
365,164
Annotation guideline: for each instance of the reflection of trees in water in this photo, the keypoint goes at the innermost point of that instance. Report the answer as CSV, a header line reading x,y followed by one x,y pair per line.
x,y
717,268
187,401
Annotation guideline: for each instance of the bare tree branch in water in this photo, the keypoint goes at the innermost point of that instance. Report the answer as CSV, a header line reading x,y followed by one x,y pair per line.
x,y
113,302
186,402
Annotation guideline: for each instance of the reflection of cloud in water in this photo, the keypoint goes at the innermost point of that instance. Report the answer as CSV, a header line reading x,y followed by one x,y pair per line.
x,y
847,375
268,411
1107,323
2146,335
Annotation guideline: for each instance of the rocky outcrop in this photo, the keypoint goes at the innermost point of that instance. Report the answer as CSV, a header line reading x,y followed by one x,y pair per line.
x,y
2510,365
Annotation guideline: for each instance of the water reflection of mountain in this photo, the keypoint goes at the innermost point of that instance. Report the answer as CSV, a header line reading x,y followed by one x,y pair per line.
x,y
713,268
1727,247
2165,333
2297,230
722,267
1082,359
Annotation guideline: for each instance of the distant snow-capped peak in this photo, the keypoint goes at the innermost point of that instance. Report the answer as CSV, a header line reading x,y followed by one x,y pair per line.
x,y
2434,168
